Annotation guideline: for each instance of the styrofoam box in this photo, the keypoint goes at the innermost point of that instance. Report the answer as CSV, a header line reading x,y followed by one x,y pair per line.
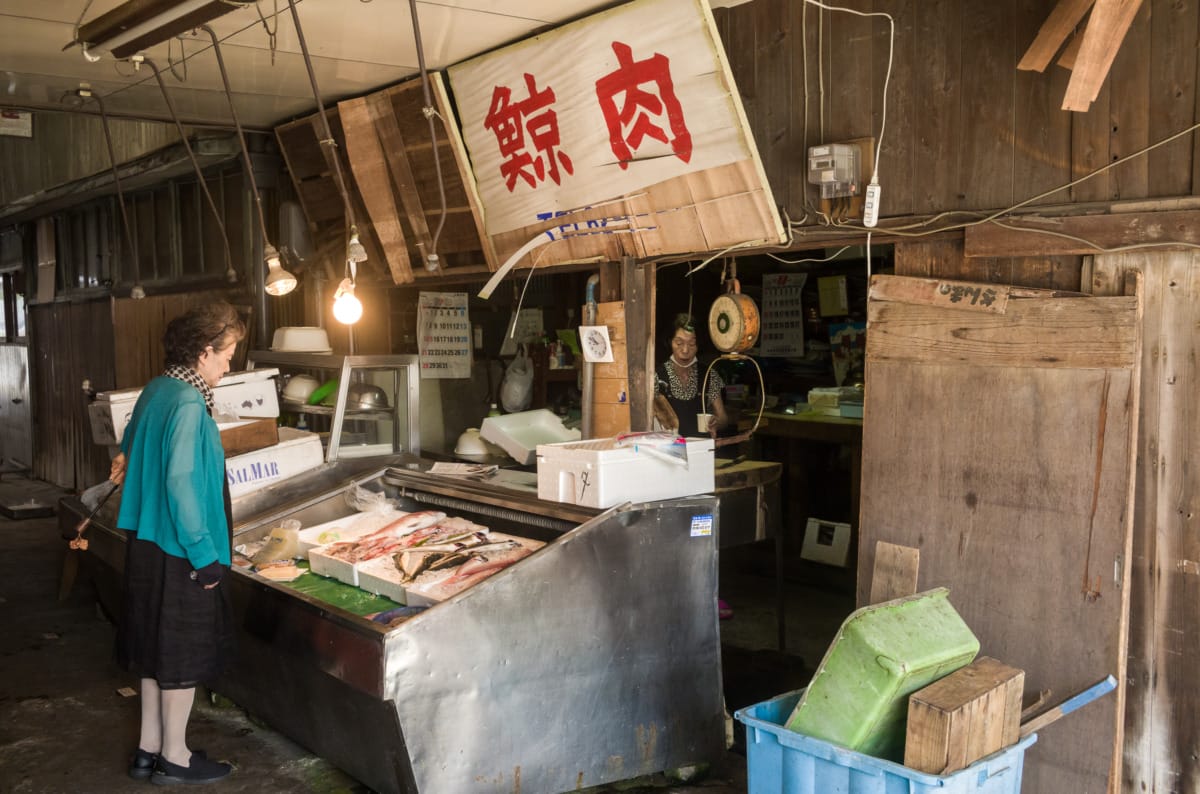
x,y
297,452
249,394
780,761
426,591
347,528
321,563
380,576
598,473
520,434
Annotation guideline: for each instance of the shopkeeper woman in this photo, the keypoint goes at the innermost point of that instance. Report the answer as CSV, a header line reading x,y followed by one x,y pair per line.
x,y
176,630
679,380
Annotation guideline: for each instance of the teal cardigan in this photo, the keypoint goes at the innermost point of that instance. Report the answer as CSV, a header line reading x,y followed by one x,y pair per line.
x,y
175,476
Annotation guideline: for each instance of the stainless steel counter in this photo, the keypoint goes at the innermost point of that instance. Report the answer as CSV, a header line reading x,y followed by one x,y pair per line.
x,y
595,659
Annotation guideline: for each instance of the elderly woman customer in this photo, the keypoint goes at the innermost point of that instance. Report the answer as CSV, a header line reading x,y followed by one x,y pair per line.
x,y
176,629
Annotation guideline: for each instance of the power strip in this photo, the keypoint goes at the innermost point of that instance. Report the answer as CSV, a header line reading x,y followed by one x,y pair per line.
x,y
871,205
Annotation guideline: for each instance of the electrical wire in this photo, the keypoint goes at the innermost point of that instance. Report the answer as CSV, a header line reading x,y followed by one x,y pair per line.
x,y
270,33
230,273
829,258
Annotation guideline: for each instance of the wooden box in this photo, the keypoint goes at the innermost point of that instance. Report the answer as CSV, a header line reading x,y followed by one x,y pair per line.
x,y
963,717
242,437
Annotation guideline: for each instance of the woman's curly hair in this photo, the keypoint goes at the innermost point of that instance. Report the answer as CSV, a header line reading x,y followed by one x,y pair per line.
x,y
187,336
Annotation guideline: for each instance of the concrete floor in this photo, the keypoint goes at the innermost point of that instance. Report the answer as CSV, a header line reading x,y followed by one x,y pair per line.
x,y
68,715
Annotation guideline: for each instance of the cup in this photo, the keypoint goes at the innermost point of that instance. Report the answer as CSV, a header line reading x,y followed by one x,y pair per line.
x,y
702,421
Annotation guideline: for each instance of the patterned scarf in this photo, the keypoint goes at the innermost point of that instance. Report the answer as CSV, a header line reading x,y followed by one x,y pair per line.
x,y
192,377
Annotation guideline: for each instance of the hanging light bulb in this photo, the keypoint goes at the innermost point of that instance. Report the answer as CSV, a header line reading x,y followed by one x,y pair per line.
x,y
278,281
138,292
347,309
355,251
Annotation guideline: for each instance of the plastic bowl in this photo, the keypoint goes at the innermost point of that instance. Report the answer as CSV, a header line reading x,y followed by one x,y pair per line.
x,y
301,339
299,387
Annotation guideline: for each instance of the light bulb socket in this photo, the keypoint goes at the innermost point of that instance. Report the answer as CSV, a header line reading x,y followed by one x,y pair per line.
x,y
355,251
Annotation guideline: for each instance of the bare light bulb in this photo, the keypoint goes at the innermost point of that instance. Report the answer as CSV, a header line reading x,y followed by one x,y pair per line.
x,y
278,281
137,293
347,309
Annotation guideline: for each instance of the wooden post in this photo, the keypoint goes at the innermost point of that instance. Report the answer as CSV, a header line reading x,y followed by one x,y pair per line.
x,y
638,286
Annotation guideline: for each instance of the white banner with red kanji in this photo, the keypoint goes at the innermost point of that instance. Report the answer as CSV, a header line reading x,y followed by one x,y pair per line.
x,y
597,109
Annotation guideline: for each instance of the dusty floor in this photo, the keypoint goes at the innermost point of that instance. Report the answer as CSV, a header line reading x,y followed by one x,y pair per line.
x,y
68,721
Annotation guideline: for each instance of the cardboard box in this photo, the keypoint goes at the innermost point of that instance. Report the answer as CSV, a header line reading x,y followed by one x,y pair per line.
x,y
297,451
598,473
969,714
238,438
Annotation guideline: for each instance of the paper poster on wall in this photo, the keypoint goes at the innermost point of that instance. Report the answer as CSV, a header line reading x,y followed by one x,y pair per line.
x,y
444,335
848,347
783,315
17,123
522,329
599,108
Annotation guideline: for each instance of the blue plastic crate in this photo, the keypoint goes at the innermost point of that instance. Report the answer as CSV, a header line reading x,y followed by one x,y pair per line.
x,y
780,761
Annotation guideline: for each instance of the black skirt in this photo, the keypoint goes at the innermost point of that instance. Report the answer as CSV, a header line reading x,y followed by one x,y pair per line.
x,y
172,629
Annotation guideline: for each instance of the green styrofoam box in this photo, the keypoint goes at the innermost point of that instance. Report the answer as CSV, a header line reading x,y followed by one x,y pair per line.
x,y
881,655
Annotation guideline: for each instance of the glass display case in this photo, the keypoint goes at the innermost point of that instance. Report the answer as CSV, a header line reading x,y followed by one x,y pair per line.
x,y
360,406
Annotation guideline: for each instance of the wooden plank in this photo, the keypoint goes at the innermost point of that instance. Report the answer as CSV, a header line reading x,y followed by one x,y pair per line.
x,y
1129,117
928,257
1071,52
1162,701
367,164
896,169
1172,95
1042,236
803,129
383,113
942,292
971,713
771,58
1083,333
940,125
986,159
1041,131
639,291
1060,24
1106,28
1019,505
895,572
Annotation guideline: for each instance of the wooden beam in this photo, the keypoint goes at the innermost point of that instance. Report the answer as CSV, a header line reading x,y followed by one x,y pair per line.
x,y
366,158
1106,29
383,113
1054,31
1039,236
1070,53
639,301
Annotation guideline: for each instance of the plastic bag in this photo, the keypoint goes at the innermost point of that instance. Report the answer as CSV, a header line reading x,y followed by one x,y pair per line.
x,y
364,500
516,392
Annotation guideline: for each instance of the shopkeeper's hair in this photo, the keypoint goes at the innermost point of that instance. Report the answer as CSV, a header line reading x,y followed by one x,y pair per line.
x,y
188,335
683,322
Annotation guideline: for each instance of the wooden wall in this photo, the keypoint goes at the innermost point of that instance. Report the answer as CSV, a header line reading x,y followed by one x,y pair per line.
x,y
965,129
70,146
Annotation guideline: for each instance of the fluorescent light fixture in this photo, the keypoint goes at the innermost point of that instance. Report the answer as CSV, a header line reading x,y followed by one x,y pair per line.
x,y
347,309
278,281
137,25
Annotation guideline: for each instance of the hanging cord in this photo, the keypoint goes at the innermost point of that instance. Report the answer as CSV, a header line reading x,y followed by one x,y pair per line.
x,y
430,111
112,159
262,220
762,397
270,33
230,273
328,141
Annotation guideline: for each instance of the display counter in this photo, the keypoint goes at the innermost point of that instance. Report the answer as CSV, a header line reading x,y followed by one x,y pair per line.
x,y
595,659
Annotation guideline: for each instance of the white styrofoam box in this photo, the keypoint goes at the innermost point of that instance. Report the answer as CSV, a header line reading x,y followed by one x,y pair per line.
x,y
598,473
381,577
321,563
347,528
520,434
110,413
249,394
431,588
826,541
297,452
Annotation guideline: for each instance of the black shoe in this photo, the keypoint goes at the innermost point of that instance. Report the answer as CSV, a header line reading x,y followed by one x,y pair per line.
x,y
199,770
142,765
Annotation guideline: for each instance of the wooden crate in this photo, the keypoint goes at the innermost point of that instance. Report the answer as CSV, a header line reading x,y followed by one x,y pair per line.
x,y
965,716
238,439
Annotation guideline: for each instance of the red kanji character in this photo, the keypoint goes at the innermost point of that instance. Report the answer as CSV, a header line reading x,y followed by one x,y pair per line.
x,y
639,106
511,120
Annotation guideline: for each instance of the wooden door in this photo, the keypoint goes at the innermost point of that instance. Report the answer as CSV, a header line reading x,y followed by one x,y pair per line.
x,y
999,439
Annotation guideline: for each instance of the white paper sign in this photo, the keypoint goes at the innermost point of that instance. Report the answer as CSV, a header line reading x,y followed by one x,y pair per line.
x,y
522,329
444,335
783,315
597,109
